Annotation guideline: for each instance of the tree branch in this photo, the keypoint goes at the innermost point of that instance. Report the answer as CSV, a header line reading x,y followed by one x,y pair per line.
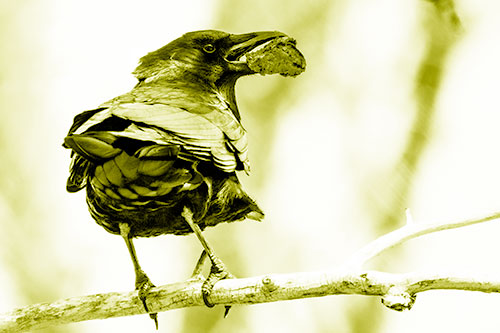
x,y
409,231
397,290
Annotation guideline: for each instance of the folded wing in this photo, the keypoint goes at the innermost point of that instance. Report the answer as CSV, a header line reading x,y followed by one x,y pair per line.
x,y
154,132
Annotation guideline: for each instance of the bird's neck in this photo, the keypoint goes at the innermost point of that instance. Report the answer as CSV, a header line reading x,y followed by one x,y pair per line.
x,y
166,89
226,87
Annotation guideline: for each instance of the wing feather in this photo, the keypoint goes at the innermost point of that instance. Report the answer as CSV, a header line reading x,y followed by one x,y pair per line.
x,y
210,136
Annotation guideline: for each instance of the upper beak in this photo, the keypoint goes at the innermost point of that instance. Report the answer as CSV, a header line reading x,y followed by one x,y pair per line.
x,y
244,43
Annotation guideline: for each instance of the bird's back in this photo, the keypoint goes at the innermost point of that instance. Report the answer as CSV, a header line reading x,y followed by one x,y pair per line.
x,y
142,160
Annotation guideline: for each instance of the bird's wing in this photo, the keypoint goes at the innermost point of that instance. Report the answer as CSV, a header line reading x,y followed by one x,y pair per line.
x,y
210,136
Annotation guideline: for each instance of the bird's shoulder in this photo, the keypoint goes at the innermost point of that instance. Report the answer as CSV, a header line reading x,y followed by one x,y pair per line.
x,y
203,124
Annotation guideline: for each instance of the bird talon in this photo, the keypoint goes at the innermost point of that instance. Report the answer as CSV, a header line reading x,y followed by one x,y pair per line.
x,y
143,287
217,272
205,295
226,310
154,317
143,284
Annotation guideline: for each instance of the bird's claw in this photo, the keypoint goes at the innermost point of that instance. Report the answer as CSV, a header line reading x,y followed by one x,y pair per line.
x,y
143,284
217,272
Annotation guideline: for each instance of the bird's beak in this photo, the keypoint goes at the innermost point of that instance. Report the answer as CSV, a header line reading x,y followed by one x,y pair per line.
x,y
242,44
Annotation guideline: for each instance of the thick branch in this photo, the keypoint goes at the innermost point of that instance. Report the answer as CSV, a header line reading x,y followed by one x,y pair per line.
x,y
397,291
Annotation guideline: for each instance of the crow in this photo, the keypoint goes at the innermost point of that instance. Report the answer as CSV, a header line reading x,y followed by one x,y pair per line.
x,y
162,158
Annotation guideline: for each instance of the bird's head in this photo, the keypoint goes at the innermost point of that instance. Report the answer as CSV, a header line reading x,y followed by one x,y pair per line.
x,y
202,61
212,56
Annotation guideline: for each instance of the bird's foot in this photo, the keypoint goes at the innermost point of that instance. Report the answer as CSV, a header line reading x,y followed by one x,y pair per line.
x,y
143,284
218,272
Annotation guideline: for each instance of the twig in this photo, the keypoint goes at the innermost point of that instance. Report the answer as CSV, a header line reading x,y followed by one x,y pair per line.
x,y
409,231
398,292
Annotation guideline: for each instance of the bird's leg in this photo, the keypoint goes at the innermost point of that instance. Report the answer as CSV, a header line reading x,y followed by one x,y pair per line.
x,y
218,271
199,265
142,282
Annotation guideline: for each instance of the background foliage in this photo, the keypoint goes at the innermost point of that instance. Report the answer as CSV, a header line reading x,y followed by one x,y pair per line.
x,y
398,108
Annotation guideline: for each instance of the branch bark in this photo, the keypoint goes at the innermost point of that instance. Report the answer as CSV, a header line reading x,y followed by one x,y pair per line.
x,y
398,291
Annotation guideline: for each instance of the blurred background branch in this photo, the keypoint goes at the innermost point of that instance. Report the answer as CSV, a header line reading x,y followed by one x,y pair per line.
x,y
390,193
442,26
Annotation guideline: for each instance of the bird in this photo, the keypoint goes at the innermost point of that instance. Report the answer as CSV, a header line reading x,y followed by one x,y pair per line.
x,y
163,158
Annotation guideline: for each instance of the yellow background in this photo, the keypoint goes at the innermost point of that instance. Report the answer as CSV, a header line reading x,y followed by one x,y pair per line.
x,y
398,109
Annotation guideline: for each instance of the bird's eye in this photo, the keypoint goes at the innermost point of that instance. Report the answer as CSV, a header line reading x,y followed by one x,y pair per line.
x,y
209,48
